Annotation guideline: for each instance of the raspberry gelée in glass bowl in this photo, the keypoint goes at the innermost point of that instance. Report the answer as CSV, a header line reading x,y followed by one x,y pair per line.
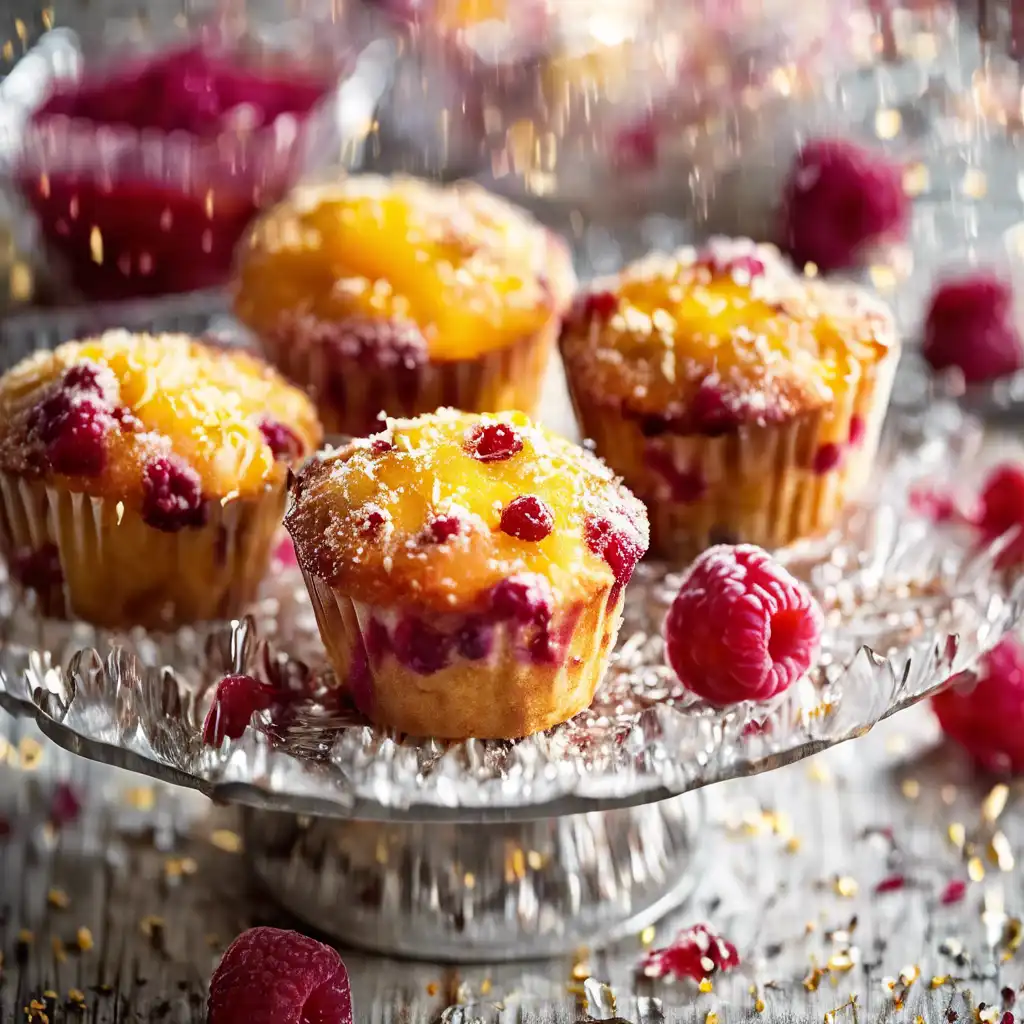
x,y
142,176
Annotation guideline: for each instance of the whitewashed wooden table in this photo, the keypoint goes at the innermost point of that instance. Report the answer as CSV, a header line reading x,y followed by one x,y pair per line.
x,y
156,877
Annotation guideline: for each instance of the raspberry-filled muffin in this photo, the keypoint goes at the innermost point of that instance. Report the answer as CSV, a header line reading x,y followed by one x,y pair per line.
x,y
142,479
742,401
400,296
467,572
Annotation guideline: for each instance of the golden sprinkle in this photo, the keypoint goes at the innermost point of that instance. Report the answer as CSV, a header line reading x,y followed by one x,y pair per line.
x,y
793,844
139,798
910,788
957,834
151,925
46,14
59,952
987,1016
995,803
711,1018
1000,853
469,880
705,986
845,886
226,840
83,938
841,962
485,986
432,988
59,899
818,771
975,869
30,753
647,936
759,1005
919,1019
48,993
76,995
938,980
96,244
813,980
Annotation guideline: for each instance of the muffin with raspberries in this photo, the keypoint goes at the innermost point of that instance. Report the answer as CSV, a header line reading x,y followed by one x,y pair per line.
x,y
741,400
142,479
398,296
467,572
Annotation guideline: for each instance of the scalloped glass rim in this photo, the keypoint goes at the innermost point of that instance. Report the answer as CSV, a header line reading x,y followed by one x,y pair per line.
x,y
888,580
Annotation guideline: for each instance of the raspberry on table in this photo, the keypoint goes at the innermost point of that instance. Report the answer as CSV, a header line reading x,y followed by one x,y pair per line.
x,y
172,497
493,442
235,701
527,518
987,718
741,627
1001,509
273,976
970,326
839,200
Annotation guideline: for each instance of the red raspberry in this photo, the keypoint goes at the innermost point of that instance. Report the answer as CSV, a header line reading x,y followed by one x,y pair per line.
x,y
420,647
373,517
474,639
235,701
444,528
272,976
73,425
970,326
709,414
1002,509
86,377
283,442
525,598
600,306
741,627
172,497
987,718
527,518
381,446
827,458
492,442
620,548
722,264
839,200
695,953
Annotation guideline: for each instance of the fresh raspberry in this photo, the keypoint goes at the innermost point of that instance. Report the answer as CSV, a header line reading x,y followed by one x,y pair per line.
x,y
620,548
172,497
474,639
420,647
970,325
283,442
86,377
986,718
741,627
524,598
235,701
527,518
272,976
381,446
599,306
1001,509
492,442
445,527
696,953
72,424
839,200
827,457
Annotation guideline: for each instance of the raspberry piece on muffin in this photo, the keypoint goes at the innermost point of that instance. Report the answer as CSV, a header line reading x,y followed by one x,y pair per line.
x,y
840,200
488,601
156,469
985,716
273,976
735,396
741,627
397,296
970,326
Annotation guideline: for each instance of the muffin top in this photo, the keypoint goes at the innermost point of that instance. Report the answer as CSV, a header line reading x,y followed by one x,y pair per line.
x,y
464,270
124,415
441,511
707,341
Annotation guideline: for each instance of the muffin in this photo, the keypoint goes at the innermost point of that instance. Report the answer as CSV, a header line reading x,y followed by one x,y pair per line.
x,y
740,400
142,479
400,296
467,572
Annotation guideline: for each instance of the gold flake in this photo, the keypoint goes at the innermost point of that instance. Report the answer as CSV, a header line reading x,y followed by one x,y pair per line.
x,y
818,771
995,803
888,123
58,898
975,869
845,886
938,980
916,179
910,788
711,1018
83,939
705,986
793,844
119,509
46,16
957,834
975,183
919,1019
1000,852
841,962
59,952
759,1005
30,753
76,995
485,986
813,980
226,840
647,936
535,860
96,244
469,880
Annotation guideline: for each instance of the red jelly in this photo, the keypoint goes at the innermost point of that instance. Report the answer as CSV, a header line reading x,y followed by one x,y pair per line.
x,y
143,180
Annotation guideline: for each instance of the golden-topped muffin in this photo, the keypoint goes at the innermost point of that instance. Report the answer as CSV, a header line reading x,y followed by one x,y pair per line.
x,y
742,400
397,295
146,475
466,571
